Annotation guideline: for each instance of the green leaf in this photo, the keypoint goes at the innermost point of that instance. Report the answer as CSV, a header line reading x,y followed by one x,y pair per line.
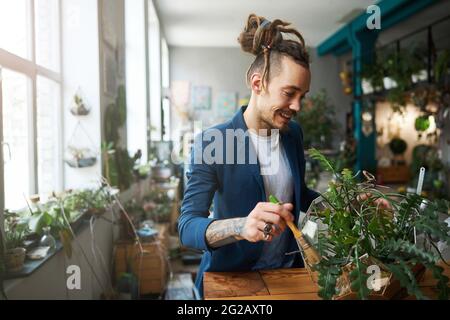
x,y
406,278
442,281
273,199
359,278
324,162
409,250
66,239
328,275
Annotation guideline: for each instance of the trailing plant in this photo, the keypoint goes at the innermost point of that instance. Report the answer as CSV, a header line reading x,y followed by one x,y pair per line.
x,y
374,73
366,226
400,65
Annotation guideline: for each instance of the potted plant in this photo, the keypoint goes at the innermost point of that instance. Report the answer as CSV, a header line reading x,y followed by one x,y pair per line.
x,y
79,107
318,121
422,124
372,78
357,233
16,231
80,157
398,147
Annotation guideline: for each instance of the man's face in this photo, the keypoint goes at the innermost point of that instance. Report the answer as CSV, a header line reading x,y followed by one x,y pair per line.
x,y
283,95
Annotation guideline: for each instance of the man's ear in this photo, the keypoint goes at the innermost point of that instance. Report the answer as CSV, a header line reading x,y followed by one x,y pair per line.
x,y
256,82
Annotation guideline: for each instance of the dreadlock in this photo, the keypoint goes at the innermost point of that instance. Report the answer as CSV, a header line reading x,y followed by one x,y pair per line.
x,y
264,39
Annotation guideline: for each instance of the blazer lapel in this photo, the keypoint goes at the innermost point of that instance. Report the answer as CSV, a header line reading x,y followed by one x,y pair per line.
x,y
248,149
290,147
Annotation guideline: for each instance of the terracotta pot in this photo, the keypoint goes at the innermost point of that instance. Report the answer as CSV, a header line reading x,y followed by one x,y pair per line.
x,y
15,259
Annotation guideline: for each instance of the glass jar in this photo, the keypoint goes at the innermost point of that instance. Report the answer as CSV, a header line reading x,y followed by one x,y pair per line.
x,y
47,240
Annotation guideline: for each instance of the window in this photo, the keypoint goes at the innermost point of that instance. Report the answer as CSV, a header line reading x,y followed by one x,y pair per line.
x,y
165,80
14,15
30,99
154,43
16,137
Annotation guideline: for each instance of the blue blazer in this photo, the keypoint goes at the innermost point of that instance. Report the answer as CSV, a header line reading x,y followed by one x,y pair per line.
x,y
234,189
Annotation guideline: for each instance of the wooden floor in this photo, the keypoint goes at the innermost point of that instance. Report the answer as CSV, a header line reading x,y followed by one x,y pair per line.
x,y
279,284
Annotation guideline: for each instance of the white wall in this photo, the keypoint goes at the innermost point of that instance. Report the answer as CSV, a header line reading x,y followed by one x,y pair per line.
x,y
224,69
81,69
136,76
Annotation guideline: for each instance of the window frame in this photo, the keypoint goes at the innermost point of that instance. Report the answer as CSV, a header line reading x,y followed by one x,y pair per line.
x,y
32,70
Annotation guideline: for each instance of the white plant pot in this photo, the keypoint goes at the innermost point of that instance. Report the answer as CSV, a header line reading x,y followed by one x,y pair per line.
x,y
389,83
421,76
366,86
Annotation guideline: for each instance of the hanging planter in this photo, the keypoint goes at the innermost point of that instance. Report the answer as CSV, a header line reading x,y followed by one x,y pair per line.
x,y
80,158
79,107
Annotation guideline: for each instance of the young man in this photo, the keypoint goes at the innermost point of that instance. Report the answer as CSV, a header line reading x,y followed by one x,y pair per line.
x,y
246,232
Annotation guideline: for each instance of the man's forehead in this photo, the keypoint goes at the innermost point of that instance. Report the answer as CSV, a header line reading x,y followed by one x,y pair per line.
x,y
295,87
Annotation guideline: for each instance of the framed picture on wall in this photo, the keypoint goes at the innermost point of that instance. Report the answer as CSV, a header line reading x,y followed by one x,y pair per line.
x,y
201,97
226,104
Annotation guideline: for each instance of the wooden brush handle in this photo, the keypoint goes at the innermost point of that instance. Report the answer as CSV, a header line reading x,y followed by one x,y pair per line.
x,y
311,256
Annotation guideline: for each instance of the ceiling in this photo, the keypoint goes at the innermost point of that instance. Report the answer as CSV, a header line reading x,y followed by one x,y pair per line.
x,y
217,23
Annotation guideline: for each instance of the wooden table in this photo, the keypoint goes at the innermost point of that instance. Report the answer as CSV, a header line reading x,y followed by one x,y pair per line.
x,y
278,284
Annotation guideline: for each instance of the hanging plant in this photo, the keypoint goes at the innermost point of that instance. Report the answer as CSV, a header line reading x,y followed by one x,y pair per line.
x,y
79,107
80,157
399,66
373,73
318,120
396,97
422,123
398,146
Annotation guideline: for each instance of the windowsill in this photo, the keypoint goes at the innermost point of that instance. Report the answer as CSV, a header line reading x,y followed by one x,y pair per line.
x,y
30,266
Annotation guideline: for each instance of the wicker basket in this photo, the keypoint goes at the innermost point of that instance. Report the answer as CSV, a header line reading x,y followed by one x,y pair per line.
x,y
15,259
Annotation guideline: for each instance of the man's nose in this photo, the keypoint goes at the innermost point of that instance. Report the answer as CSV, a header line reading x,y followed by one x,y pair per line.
x,y
295,106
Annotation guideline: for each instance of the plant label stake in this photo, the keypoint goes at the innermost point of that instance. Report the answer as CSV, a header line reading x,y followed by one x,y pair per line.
x,y
419,192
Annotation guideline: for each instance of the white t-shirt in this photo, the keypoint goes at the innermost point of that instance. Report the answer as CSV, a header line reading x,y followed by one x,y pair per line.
x,y
278,181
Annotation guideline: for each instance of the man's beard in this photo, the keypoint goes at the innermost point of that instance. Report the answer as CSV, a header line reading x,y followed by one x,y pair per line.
x,y
269,123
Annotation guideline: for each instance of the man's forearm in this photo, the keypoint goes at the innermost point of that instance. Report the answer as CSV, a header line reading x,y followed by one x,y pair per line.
x,y
223,232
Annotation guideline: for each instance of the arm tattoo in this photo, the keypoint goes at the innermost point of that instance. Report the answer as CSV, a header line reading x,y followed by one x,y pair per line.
x,y
223,232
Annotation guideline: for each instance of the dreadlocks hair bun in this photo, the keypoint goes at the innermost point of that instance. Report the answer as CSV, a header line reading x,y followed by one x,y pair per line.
x,y
262,37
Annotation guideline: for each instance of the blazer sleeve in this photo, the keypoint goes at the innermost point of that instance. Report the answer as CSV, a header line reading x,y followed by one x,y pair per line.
x,y
200,188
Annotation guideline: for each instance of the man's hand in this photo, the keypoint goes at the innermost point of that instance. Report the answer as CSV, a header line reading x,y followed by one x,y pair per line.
x,y
251,228
263,213
382,203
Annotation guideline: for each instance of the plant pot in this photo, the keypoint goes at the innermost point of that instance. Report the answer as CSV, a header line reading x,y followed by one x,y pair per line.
x,y
389,83
422,75
14,259
81,163
161,173
366,86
